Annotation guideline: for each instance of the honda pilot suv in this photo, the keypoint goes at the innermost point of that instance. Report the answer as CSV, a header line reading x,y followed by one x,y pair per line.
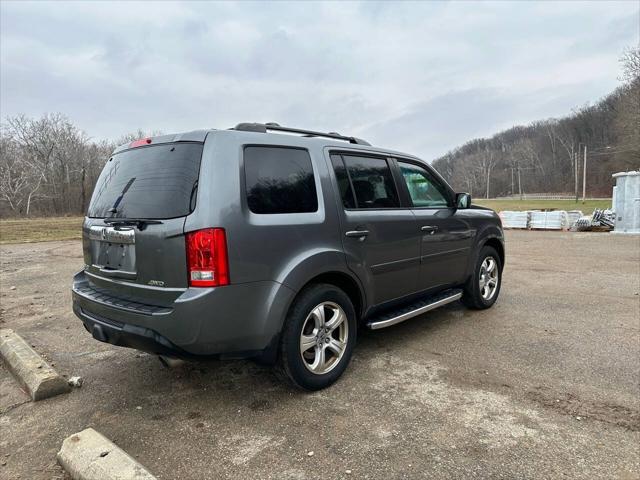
x,y
275,243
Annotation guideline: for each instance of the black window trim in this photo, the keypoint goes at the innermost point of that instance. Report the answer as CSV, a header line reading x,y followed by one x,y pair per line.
x,y
404,205
243,179
352,189
434,176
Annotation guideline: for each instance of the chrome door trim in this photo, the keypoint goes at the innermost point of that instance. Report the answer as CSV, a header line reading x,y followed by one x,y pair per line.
x,y
356,233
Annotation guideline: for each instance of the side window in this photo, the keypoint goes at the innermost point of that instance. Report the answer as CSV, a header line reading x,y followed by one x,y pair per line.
x,y
279,180
372,182
424,190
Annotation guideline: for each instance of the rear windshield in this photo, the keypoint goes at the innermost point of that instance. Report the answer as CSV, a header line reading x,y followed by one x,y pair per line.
x,y
158,181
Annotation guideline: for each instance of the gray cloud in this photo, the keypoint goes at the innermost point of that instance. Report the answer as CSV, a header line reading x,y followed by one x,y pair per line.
x,y
420,77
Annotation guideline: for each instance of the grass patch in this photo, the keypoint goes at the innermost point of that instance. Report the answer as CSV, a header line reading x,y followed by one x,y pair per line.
x,y
26,230
519,205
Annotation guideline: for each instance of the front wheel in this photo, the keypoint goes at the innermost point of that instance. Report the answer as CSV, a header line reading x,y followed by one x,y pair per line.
x,y
318,337
483,287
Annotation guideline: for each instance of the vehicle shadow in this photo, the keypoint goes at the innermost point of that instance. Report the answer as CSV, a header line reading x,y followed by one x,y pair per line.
x,y
245,382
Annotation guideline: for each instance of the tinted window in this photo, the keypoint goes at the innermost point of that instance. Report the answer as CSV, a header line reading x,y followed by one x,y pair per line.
x,y
372,182
424,190
279,180
346,192
158,181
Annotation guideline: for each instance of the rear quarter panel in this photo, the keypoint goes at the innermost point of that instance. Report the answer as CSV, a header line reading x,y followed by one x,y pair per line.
x,y
264,246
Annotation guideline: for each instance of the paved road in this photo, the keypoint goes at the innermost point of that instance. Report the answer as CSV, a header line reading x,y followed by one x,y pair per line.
x,y
544,385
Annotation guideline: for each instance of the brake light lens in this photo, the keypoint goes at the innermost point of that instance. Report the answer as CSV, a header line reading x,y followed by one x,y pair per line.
x,y
140,143
207,261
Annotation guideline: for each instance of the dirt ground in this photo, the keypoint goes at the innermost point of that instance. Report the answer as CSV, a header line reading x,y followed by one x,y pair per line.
x,y
544,385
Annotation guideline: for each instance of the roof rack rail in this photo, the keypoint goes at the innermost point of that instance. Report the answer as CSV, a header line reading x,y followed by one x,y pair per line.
x,y
272,126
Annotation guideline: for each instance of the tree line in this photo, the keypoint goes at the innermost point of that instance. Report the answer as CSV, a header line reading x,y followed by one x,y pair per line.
x,y
548,156
48,166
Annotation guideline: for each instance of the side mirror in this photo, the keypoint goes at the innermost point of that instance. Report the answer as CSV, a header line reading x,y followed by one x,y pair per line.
x,y
463,200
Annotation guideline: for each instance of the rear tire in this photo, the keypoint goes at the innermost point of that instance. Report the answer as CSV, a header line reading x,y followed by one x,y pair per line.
x,y
318,338
483,287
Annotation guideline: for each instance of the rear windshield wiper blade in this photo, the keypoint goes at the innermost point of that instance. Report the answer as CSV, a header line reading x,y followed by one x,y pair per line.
x,y
141,223
126,188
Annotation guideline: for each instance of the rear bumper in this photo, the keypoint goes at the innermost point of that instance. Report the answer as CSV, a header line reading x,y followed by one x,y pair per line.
x,y
126,335
232,321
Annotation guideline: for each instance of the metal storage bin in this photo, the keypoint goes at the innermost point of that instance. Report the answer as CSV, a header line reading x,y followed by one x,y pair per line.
x,y
627,202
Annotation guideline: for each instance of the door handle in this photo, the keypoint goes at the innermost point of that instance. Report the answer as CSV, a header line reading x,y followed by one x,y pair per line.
x,y
357,233
431,229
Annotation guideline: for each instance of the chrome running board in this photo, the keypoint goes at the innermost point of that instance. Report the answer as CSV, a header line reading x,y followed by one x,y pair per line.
x,y
414,309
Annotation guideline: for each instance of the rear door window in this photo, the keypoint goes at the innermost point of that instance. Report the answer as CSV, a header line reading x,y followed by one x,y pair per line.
x,y
155,182
372,183
279,180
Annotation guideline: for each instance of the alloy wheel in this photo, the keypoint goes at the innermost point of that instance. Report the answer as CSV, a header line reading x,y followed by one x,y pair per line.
x,y
324,336
489,278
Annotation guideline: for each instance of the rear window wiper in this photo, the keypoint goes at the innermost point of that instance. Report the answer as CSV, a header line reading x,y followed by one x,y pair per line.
x,y
114,209
141,223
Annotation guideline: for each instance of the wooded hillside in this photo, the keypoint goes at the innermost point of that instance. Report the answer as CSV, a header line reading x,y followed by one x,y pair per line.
x,y
547,156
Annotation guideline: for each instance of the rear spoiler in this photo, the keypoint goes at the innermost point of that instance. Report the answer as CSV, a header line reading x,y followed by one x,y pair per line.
x,y
194,136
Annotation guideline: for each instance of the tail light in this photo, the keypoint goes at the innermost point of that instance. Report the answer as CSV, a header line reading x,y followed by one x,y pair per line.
x,y
207,262
140,143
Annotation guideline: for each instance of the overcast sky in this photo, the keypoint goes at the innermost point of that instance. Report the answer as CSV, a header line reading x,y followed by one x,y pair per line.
x,y
418,77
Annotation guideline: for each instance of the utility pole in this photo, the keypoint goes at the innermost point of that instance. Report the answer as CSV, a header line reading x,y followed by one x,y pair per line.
x,y
512,192
584,175
519,184
575,167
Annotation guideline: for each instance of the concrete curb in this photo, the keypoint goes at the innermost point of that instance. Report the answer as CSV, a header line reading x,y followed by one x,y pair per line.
x,y
89,455
39,378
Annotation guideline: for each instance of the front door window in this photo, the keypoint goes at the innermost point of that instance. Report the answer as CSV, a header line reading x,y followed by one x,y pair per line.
x,y
424,190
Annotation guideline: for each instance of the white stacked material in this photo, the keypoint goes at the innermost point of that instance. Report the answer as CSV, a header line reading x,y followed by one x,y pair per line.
x,y
573,216
556,220
514,219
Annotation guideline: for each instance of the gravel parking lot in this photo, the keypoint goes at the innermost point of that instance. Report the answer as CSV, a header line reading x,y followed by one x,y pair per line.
x,y
544,385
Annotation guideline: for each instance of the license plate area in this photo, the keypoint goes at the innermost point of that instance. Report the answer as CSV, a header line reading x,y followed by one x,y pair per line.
x,y
113,251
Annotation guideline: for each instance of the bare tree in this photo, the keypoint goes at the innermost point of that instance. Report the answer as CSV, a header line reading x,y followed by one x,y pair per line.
x,y
48,156
630,60
487,162
49,166
627,122
19,182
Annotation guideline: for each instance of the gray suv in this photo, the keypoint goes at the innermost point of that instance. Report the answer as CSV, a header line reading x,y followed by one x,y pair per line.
x,y
275,243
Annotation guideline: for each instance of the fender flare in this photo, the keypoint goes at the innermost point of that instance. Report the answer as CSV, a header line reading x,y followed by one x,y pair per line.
x,y
488,233
298,273
303,269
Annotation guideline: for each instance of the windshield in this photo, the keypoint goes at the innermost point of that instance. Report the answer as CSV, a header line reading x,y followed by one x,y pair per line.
x,y
158,181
